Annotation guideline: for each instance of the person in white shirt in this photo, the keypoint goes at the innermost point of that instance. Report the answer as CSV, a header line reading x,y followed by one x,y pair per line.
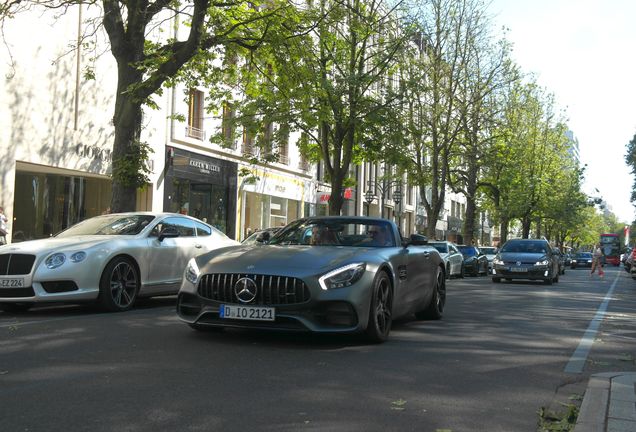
x,y
4,230
597,261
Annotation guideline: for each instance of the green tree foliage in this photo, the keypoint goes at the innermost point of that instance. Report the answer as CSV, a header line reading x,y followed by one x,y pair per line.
x,y
332,82
630,160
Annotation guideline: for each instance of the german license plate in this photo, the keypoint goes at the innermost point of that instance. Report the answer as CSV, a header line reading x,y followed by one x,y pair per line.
x,y
254,313
518,269
12,283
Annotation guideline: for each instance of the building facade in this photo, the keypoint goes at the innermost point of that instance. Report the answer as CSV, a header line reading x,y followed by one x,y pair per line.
x,y
57,137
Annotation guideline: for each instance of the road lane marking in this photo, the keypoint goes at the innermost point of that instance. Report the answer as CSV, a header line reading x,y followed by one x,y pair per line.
x,y
578,359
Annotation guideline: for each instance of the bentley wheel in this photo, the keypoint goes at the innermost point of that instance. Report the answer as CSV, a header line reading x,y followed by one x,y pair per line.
x,y
15,307
435,308
119,285
380,314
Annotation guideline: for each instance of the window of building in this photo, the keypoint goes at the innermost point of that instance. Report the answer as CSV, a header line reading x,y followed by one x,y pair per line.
x,y
195,115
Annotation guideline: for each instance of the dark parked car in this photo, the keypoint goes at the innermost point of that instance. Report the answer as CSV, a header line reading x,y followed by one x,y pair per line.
x,y
475,262
526,259
581,259
335,274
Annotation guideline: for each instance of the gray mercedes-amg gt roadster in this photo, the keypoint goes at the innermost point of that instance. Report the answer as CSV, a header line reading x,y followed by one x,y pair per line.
x,y
332,274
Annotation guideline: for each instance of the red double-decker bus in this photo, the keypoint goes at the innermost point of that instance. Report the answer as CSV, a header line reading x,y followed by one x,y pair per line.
x,y
611,247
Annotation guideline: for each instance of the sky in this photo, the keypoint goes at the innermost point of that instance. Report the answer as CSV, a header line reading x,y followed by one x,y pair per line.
x,y
584,52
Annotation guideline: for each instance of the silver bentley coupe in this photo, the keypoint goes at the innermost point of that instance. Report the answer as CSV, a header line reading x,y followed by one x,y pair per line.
x,y
111,259
332,274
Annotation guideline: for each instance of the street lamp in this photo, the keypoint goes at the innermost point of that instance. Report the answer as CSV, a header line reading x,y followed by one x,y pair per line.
x,y
369,196
383,187
397,198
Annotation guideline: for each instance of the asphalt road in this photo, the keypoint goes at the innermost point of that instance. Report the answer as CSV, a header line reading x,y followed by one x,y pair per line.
x,y
499,355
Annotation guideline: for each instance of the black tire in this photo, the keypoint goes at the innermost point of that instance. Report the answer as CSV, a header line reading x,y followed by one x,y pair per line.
x,y
496,280
548,281
119,285
435,308
381,309
15,307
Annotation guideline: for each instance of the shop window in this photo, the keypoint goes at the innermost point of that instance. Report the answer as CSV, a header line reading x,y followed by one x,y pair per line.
x,y
46,204
194,129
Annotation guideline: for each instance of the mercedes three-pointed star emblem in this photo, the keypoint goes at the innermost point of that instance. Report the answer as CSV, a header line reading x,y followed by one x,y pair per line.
x,y
245,290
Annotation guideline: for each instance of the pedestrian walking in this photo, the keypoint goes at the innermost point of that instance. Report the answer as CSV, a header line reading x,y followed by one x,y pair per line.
x,y
4,230
597,261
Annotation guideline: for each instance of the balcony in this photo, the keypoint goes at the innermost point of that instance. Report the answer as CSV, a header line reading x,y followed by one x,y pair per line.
x,y
195,133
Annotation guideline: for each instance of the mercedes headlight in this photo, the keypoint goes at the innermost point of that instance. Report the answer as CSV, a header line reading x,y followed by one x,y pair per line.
x,y
343,276
192,272
55,260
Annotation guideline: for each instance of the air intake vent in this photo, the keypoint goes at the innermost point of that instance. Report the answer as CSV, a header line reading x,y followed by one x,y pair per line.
x,y
271,290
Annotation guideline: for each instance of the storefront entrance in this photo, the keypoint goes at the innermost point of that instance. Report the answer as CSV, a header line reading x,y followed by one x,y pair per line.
x,y
202,187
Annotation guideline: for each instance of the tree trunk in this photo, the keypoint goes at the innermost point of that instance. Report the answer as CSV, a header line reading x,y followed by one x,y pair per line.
x,y
526,222
469,221
503,230
127,121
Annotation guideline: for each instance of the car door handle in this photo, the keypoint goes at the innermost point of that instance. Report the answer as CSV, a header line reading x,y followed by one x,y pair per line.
x,y
198,246
427,255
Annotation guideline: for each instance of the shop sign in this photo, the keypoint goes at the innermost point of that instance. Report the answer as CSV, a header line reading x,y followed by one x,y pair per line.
x,y
204,167
324,197
94,152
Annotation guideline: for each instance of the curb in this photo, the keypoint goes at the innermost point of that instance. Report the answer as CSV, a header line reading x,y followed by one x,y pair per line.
x,y
609,404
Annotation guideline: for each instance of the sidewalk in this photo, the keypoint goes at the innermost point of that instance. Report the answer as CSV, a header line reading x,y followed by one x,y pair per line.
x,y
609,404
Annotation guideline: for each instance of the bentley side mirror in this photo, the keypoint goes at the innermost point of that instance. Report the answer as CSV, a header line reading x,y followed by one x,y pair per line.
x,y
168,232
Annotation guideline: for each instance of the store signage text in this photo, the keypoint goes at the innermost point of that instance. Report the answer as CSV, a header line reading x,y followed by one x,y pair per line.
x,y
204,167
94,152
323,198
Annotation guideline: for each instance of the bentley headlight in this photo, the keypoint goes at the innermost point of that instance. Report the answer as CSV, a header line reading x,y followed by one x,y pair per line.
x,y
497,261
192,272
78,257
343,276
55,260
545,262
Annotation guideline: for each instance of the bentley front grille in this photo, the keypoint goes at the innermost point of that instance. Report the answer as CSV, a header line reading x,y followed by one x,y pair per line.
x,y
271,290
16,264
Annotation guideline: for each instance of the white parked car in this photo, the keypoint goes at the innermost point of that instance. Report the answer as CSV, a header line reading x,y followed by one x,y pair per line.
x,y
490,253
453,258
110,259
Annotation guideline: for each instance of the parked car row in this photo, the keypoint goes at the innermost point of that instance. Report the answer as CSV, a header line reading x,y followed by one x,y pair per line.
x,y
321,274
461,260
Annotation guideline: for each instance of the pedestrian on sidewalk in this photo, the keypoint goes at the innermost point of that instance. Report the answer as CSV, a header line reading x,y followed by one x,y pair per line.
x,y
4,230
597,261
